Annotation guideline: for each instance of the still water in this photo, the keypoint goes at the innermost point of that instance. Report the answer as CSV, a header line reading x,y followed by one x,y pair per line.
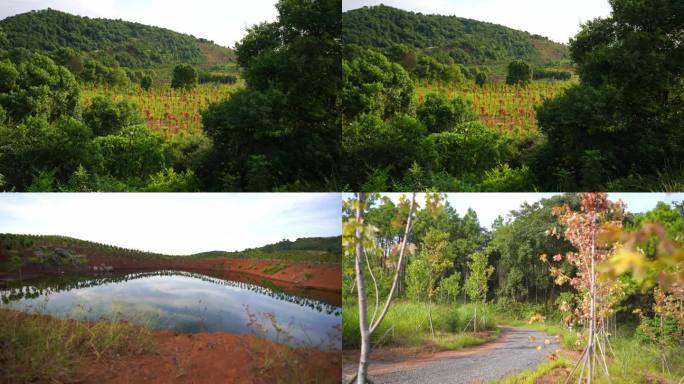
x,y
184,302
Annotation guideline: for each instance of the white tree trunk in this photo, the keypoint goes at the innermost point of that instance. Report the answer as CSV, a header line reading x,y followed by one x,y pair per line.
x,y
360,283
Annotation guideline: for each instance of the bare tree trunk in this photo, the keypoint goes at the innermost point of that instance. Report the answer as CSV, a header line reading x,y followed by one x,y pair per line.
x,y
475,320
402,251
366,329
592,313
363,313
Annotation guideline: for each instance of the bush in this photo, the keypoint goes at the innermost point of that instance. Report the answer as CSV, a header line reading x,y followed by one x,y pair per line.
x,y
519,73
185,76
105,117
439,113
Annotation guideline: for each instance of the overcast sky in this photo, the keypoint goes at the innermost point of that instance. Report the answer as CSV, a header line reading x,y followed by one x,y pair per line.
x,y
174,223
490,205
558,20
224,22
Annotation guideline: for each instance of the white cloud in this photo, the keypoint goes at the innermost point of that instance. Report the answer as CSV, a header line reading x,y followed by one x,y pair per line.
x,y
174,223
224,22
557,19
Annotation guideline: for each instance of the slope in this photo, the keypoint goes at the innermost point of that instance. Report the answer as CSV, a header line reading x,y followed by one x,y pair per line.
x,y
113,42
464,41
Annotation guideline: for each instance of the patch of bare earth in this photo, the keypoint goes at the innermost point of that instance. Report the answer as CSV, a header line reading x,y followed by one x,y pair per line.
x,y
215,358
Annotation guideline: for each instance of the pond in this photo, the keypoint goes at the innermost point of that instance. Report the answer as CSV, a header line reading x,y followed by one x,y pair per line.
x,y
184,302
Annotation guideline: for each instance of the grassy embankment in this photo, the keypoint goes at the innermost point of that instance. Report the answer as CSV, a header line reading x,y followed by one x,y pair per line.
x,y
406,324
38,348
629,361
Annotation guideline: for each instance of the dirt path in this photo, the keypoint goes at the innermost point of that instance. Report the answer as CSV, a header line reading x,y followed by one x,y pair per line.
x,y
514,351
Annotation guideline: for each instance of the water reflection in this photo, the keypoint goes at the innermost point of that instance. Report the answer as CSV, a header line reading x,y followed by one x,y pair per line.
x,y
183,302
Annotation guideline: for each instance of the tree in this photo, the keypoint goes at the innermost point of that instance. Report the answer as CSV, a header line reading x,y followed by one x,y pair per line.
x,y
481,78
479,272
146,82
450,287
418,279
15,263
356,236
185,76
583,229
440,113
288,111
374,85
105,117
631,75
519,73
31,84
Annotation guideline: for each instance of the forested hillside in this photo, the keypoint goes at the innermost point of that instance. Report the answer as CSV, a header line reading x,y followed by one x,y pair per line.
x,y
464,41
20,249
531,269
112,42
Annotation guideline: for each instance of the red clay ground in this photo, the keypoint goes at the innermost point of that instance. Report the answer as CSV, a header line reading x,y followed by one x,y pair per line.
x,y
216,358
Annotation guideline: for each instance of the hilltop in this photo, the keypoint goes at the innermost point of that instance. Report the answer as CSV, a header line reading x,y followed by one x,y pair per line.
x,y
315,249
113,42
465,41
313,262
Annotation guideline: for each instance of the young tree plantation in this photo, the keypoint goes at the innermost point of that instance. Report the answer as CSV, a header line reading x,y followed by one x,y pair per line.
x,y
109,105
454,104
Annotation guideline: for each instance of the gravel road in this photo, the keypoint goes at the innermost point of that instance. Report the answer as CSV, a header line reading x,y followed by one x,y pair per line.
x,y
512,352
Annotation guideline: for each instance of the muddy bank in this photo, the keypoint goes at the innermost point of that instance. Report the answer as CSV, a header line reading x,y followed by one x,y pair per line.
x,y
215,358
319,281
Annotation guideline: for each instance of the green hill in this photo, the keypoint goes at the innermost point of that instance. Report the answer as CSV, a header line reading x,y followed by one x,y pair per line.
x,y
112,42
464,41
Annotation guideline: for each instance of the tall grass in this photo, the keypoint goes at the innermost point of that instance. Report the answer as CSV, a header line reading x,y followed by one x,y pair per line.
x,y
407,323
37,348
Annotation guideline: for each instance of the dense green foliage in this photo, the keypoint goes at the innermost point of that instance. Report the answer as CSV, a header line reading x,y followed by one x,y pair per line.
x,y
389,144
519,72
32,85
621,127
111,42
47,144
185,76
282,131
515,250
449,39
328,244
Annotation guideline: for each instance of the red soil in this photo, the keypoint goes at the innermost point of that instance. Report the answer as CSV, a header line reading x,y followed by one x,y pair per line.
x,y
216,358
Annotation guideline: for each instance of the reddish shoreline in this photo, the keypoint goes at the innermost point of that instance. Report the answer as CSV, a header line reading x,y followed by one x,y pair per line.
x,y
321,281
215,358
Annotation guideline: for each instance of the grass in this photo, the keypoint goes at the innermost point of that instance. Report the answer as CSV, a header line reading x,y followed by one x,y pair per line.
x,y
270,270
407,324
529,376
632,362
41,348
308,275
505,107
163,108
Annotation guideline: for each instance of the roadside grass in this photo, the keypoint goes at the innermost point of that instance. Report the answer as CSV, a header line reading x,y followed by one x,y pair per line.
x,y
39,348
629,361
275,268
530,376
407,324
